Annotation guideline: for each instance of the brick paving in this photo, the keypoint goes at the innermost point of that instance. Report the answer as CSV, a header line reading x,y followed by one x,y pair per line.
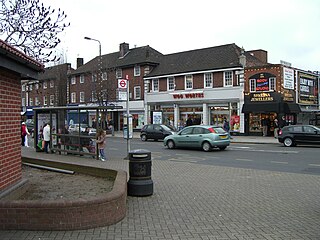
x,y
194,201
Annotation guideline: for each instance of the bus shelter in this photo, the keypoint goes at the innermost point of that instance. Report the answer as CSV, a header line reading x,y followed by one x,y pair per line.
x,y
71,129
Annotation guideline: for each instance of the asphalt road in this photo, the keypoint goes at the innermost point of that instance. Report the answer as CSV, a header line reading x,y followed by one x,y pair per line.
x,y
273,157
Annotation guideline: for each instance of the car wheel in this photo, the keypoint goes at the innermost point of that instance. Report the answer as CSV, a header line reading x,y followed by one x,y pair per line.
x,y
288,142
206,146
223,148
144,137
170,144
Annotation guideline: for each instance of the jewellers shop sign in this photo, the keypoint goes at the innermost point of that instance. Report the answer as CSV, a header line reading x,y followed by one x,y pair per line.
x,y
262,97
189,95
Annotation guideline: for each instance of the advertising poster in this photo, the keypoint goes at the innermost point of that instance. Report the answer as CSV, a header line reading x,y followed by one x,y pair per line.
x,y
288,78
235,123
44,118
157,118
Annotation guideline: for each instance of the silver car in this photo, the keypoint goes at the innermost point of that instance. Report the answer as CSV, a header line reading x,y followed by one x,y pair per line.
x,y
199,136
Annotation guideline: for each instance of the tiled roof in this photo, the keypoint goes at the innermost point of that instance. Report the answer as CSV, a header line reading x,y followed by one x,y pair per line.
x,y
56,72
139,55
19,56
219,57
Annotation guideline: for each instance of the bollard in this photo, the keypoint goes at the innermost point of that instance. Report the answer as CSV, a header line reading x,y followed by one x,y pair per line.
x,y
140,182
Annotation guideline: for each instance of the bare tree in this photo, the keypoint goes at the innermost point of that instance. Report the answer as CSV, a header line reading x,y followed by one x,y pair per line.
x,y
32,27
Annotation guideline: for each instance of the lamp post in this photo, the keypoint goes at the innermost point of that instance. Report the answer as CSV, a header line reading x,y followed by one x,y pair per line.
x,y
88,38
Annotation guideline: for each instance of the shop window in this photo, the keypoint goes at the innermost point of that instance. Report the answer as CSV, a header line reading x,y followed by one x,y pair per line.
x,y
254,123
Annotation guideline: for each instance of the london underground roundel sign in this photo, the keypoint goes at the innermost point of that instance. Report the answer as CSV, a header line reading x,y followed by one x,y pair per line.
x,y
122,83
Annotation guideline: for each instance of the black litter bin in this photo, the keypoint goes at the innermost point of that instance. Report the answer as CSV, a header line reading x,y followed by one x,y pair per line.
x,y
140,182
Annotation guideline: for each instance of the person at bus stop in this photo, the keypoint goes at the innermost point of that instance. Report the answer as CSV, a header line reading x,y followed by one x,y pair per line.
x,y
24,133
46,137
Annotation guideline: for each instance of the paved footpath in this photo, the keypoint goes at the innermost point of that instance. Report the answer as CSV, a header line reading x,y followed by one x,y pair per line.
x,y
193,201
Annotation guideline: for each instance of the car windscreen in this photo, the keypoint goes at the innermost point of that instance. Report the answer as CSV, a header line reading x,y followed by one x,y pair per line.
x,y
166,128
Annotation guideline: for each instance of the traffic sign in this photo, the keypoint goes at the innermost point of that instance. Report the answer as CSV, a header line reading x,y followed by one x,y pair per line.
x,y
122,83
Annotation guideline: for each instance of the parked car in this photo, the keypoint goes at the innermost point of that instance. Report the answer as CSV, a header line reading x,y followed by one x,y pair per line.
x,y
199,136
299,134
156,131
75,127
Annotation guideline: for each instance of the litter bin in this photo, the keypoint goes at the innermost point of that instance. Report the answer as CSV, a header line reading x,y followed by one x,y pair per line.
x,y
140,182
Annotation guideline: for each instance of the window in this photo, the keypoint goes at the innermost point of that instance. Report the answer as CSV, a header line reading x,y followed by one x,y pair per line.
x,y
137,92
37,86
93,96
45,100
155,85
252,85
37,102
23,87
94,77
272,84
136,70
188,82
23,102
73,80
208,82
73,97
104,76
51,84
228,78
119,73
45,85
30,102
171,84
81,97
30,87
51,99
81,78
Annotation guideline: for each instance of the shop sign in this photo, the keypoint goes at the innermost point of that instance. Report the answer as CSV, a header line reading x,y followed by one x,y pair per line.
x,y
188,95
261,97
288,78
288,96
262,81
308,89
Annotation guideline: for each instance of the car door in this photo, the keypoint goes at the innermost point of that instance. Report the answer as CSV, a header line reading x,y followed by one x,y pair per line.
x,y
183,138
196,138
158,131
311,135
297,133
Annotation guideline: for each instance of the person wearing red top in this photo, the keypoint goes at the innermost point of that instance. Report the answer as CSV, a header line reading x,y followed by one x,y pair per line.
x,y
23,133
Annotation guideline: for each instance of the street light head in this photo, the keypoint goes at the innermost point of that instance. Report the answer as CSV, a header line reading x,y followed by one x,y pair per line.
x,y
87,38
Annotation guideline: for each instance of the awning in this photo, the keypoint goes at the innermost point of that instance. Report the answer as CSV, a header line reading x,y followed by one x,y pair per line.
x,y
261,107
291,108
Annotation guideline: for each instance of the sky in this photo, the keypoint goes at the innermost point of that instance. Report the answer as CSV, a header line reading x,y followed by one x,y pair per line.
x,y
287,29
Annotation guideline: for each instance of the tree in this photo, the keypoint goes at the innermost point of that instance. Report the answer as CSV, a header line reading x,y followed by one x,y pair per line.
x,y
31,27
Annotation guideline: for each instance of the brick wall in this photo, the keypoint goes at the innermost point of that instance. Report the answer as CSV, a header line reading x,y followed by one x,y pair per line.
x,y
10,140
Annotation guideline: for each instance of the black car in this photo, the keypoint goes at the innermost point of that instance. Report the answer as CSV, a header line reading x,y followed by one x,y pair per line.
x,y
155,131
299,134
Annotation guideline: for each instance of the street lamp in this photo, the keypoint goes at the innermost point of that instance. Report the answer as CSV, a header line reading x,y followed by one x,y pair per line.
x,y
88,38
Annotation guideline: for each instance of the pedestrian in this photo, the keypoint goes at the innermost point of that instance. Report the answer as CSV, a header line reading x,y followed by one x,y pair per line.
x,y
111,126
275,127
26,138
265,126
226,126
282,122
189,121
46,137
101,142
23,133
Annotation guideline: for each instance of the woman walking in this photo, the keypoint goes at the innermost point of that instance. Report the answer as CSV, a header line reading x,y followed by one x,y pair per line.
x,y
101,142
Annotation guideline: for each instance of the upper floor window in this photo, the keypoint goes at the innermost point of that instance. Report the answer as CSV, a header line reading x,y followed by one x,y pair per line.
x,y
73,97
30,102
104,76
81,78
23,101
252,85
119,73
93,96
37,102
272,84
171,83
136,70
155,85
81,97
51,99
188,82
94,77
37,86
23,87
45,100
228,78
30,87
51,84
137,92
45,85
208,80
73,80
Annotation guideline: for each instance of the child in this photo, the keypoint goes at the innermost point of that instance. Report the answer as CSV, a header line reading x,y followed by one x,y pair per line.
x,y
101,142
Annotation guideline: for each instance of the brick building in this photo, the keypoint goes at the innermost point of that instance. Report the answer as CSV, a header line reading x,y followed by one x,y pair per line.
x,y
14,66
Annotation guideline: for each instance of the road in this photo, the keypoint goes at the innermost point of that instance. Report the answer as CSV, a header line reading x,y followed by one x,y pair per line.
x,y
271,157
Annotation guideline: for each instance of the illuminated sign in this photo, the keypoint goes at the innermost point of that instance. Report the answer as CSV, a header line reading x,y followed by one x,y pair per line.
x,y
261,97
308,89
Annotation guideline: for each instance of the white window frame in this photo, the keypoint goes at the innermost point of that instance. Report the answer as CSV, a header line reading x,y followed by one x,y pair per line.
x,y
155,85
252,85
23,87
73,80
272,84
93,96
227,81
81,97
36,100
137,71
30,87
37,86
188,82
208,80
73,97
118,73
51,101
171,83
51,84
94,77
45,86
30,102
81,78
104,76
137,92
45,101
23,102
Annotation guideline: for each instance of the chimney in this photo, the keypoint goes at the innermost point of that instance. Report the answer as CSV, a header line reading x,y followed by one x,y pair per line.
x,y
124,49
242,58
79,62
262,55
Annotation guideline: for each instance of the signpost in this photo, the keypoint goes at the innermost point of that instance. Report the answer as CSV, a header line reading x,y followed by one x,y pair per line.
x,y
124,83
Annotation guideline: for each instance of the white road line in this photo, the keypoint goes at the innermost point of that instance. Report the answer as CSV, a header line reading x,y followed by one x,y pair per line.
x,y
314,165
261,150
243,159
279,162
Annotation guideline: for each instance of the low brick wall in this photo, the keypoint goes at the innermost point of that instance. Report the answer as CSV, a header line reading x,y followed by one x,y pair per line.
x,y
104,210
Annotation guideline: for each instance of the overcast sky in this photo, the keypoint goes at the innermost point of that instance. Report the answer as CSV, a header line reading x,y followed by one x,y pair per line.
x,y
287,29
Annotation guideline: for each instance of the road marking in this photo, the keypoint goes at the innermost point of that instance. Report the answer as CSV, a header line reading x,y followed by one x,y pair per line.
x,y
279,162
243,159
314,165
261,150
